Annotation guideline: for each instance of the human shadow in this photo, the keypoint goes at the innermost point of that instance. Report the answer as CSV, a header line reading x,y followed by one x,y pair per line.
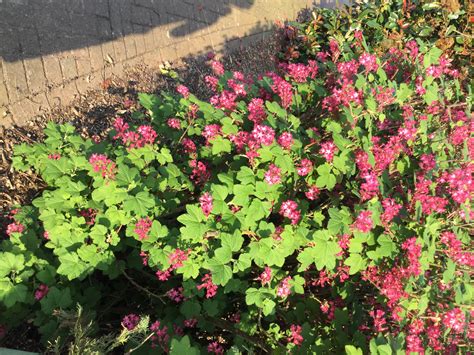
x,y
32,28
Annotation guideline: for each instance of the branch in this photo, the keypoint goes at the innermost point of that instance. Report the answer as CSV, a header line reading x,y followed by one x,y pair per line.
x,y
148,292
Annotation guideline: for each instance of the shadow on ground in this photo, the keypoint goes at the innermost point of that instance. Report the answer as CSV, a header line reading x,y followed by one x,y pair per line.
x,y
30,28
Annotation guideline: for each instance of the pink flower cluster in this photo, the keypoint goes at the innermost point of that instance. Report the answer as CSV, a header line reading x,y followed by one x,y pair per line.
x,y
174,123
176,294
160,336
413,251
262,134
285,140
455,319
304,167
300,72
455,249
257,113
206,203
283,89
211,288
391,210
183,90
142,227
103,165
41,292
273,175
284,288
225,100
211,131
215,348
312,193
266,276
15,227
289,209
369,61
200,173
143,135
328,149
295,336
130,321
364,222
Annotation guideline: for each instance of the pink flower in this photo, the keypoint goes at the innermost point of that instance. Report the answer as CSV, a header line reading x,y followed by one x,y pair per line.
x,y
364,221
391,209
295,336
217,68
257,113
328,149
455,319
212,82
206,203
369,61
413,254
176,294
183,90
304,167
101,164
266,276
41,291
15,227
272,175
200,173
163,275
142,227
264,135
174,123
284,288
190,323
285,140
54,156
130,321
427,162
283,89
215,348
225,101
188,145
211,131
299,72
211,288
237,88
312,193
289,210
177,258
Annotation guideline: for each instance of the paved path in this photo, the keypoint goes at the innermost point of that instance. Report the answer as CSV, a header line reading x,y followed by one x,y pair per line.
x,y
54,50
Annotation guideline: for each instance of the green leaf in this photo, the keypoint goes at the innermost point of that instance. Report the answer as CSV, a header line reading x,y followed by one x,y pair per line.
x,y
268,307
221,274
221,145
11,294
432,57
71,266
233,242
323,254
356,263
352,350
241,194
194,224
403,93
183,346
56,299
140,204
10,262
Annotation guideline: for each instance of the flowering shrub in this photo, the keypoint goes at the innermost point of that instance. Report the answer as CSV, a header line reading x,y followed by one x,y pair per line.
x,y
326,208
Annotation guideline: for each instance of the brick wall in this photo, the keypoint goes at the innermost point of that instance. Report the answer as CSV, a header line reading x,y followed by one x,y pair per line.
x,y
53,50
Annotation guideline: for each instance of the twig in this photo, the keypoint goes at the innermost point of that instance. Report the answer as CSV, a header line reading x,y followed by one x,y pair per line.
x,y
141,344
148,292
